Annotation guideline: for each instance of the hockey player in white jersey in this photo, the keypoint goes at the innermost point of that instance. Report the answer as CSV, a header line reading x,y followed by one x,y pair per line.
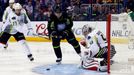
x,y
13,27
6,13
96,47
8,10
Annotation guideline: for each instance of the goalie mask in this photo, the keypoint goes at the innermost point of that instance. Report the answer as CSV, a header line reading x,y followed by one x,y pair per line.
x,y
86,29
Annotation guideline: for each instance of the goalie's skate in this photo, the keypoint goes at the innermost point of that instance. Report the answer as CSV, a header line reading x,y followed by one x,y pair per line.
x,y
112,62
102,66
58,61
30,57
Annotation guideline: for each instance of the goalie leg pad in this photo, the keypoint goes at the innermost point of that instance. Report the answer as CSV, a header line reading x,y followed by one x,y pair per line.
x,y
90,64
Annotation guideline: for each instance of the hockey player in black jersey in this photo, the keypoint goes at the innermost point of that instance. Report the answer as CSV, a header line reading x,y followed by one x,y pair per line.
x,y
60,27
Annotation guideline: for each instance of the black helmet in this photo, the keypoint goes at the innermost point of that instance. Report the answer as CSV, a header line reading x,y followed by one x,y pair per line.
x,y
57,9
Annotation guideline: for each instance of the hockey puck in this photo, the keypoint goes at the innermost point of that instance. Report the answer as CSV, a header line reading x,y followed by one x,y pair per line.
x,y
48,69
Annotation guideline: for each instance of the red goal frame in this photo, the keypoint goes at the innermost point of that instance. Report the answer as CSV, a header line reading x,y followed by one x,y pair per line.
x,y
108,35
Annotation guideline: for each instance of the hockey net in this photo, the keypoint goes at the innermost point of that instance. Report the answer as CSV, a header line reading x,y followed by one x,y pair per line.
x,y
120,33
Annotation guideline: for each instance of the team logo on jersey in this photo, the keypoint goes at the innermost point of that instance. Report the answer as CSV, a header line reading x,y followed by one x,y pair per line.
x,y
61,27
13,18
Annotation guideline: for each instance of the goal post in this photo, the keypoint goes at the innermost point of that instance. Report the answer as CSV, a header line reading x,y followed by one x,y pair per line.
x,y
120,33
108,34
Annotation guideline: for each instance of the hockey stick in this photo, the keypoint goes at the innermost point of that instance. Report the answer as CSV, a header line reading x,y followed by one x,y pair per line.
x,y
47,37
42,36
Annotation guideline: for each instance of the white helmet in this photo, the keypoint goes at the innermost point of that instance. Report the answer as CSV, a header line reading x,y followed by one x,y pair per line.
x,y
17,6
87,28
11,1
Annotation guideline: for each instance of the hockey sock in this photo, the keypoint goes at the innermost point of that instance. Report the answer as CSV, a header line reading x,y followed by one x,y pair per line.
x,y
56,47
57,51
25,46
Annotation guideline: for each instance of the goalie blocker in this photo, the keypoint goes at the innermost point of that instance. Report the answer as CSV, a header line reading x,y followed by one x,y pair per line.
x,y
93,63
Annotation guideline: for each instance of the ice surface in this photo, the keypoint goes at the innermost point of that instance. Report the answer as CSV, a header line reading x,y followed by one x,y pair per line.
x,y
122,66
13,61
64,69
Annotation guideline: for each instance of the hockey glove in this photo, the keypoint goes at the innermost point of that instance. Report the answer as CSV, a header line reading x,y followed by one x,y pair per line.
x,y
54,34
30,32
64,34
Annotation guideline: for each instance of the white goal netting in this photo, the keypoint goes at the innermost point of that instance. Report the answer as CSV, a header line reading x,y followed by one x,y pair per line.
x,y
122,37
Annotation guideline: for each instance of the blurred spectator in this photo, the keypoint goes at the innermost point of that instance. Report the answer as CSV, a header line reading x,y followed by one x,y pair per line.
x,y
130,8
95,13
42,16
85,1
108,1
29,9
63,4
130,5
36,8
103,12
77,9
74,9
77,3
49,10
43,2
84,13
70,9
76,12
0,11
22,2
99,2
58,2
113,10
50,2
4,4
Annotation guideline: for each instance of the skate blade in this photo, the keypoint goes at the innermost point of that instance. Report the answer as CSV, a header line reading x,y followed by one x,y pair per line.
x,y
58,63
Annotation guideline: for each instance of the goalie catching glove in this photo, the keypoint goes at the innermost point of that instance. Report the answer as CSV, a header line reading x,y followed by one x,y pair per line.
x,y
90,63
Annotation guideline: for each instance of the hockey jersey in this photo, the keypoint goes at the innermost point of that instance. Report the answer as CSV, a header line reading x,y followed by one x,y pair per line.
x,y
95,40
14,23
7,11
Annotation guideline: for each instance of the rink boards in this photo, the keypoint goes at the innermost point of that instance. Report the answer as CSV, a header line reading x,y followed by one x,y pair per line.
x,y
119,33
